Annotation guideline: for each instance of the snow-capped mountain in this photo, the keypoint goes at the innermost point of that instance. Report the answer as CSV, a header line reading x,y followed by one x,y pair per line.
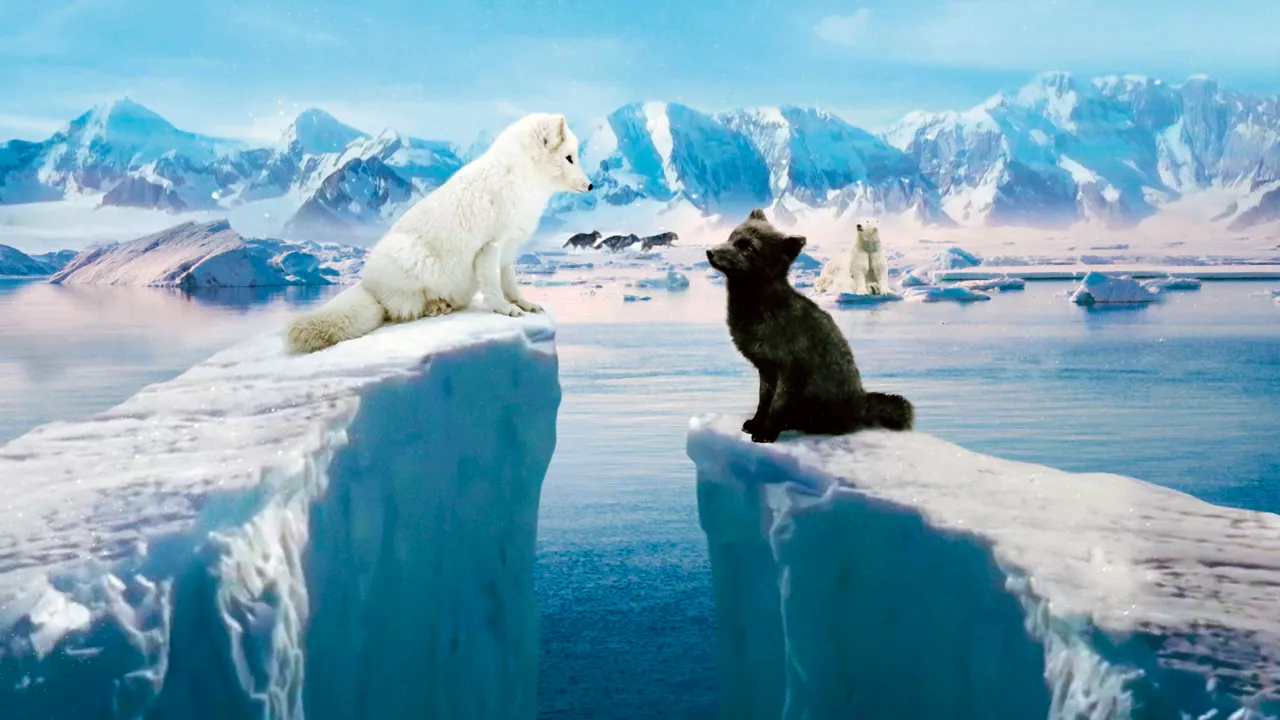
x,y
1114,149
817,159
15,263
1060,150
203,255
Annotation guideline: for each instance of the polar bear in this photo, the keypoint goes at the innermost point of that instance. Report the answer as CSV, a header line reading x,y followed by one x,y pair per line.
x,y
863,270
867,263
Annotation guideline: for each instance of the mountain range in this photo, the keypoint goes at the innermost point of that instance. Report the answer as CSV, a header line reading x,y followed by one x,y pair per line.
x,y
1059,151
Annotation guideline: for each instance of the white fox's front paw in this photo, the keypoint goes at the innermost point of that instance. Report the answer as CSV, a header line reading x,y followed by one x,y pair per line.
x,y
507,309
528,307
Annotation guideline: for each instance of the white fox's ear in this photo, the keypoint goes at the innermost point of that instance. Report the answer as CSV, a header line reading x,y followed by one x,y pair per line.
x,y
554,131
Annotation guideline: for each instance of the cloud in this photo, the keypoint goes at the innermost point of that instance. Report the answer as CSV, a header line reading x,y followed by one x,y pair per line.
x,y
28,127
843,29
48,34
283,26
1088,36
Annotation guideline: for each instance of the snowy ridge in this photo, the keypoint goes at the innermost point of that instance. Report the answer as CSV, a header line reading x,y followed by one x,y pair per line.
x,y
204,255
884,575
341,535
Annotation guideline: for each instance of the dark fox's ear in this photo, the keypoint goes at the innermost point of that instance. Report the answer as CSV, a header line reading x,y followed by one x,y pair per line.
x,y
793,244
757,214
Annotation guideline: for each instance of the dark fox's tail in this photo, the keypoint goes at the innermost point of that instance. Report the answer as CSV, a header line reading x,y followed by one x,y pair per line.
x,y
893,412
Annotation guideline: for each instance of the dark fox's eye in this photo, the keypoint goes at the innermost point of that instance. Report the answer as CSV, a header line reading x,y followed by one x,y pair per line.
x,y
743,245
569,158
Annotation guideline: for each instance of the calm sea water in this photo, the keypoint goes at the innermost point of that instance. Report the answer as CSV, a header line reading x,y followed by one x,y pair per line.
x,y
1183,393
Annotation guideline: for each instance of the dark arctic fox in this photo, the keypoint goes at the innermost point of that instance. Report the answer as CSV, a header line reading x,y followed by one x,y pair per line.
x,y
808,379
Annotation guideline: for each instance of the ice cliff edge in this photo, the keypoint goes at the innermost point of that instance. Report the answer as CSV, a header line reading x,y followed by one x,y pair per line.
x,y
348,534
895,575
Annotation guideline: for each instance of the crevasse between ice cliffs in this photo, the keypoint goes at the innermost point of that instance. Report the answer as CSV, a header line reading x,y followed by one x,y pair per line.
x,y
347,535
887,575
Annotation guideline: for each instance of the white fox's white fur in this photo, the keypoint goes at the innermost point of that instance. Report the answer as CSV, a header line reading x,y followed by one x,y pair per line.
x,y
461,238
863,270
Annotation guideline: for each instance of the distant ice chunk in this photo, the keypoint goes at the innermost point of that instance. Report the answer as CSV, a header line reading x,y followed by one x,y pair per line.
x,y
1000,284
1172,283
636,298
952,293
918,277
673,280
347,534
528,259
805,261
889,575
1099,289
954,259
863,299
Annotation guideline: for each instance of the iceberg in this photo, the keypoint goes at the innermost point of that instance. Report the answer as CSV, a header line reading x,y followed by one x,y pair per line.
x,y
1099,289
348,534
896,575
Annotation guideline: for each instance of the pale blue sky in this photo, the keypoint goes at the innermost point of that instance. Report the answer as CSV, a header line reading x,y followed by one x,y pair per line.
x,y
447,68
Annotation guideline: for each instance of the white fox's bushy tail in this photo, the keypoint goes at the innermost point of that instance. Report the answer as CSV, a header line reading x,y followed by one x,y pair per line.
x,y
353,313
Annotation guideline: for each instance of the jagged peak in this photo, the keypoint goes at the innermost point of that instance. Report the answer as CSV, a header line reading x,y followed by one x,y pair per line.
x,y
117,113
315,131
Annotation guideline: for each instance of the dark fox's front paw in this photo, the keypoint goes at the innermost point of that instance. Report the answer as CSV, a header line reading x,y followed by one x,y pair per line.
x,y
764,435
750,426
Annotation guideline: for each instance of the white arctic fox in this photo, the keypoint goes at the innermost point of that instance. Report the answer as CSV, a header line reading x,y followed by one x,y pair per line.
x,y
461,238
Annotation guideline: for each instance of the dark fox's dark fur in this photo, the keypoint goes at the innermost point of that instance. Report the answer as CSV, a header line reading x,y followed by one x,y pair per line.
x,y
808,379
584,240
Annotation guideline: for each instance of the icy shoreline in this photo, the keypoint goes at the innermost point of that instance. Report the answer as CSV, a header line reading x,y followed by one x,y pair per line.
x,y
1259,271
346,534
889,575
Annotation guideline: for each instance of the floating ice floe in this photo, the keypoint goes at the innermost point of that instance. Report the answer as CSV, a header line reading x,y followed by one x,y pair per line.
x,y
952,293
1172,283
861,299
672,281
1002,284
1099,289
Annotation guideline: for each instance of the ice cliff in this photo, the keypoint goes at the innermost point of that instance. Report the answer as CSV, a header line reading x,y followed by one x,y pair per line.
x,y
884,575
348,534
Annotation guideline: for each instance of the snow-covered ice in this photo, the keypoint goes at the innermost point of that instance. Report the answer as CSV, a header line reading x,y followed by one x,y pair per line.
x,y
341,535
1072,271
895,575
1099,289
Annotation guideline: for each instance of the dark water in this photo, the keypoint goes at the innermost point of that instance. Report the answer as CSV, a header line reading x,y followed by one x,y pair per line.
x,y
1182,394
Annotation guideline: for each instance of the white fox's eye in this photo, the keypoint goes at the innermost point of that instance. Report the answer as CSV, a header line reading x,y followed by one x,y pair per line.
x,y
569,158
